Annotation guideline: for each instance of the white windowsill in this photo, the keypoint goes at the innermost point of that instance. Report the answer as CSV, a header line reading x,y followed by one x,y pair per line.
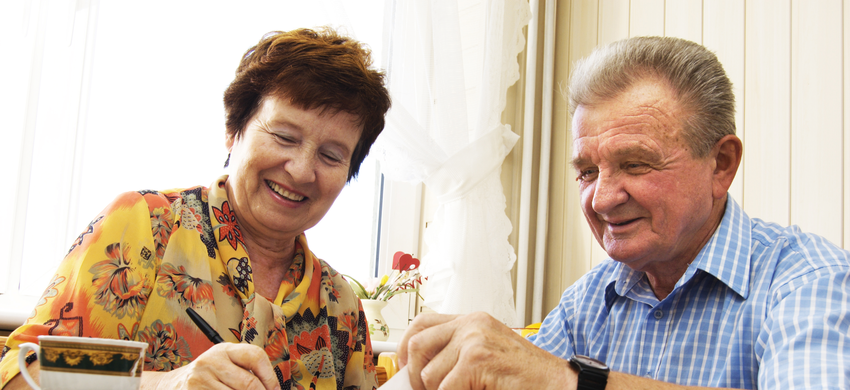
x,y
15,309
383,346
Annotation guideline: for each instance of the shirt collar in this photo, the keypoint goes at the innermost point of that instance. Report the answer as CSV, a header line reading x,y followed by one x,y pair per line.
x,y
725,256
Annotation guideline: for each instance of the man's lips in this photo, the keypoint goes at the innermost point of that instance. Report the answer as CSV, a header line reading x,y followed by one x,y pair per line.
x,y
284,193
621,222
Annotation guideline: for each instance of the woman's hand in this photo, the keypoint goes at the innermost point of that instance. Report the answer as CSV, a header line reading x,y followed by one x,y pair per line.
x,y
477,351
224,366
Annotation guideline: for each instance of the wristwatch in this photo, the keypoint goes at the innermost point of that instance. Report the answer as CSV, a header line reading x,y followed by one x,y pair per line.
x,y
592,374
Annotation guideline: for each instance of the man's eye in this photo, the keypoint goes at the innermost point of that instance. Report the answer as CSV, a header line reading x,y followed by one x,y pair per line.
x,y
587,174
635,167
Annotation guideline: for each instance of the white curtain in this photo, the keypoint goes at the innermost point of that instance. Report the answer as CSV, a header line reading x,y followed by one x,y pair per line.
x,y
448,80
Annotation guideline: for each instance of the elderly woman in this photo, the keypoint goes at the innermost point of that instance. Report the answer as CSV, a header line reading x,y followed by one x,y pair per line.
x,y
302,114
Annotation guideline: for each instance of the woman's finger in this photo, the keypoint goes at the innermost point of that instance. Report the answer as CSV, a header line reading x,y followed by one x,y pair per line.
x,y
256,362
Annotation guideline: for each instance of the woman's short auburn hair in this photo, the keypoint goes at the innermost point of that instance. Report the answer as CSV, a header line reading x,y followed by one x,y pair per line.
x,y
313,69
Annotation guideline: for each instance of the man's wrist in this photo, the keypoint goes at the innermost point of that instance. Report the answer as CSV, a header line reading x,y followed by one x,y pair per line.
x,y
591,374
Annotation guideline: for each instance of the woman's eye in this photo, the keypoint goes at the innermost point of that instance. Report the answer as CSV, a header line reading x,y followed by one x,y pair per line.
x,y
332,157
284,138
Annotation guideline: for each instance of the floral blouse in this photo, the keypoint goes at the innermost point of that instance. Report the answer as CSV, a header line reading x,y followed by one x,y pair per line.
x,y
150,255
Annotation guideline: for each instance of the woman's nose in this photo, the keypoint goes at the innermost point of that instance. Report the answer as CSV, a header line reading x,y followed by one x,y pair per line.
x,y
301,166
608,193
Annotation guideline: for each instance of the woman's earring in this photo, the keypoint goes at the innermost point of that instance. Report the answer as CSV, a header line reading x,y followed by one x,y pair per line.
x,y
227,162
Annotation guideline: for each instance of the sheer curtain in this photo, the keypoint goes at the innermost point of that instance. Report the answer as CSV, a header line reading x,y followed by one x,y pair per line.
x,y
450,64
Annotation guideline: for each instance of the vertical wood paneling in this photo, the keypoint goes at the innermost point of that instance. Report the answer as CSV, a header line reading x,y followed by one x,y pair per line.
x,y
792,85
683,19
561,198
767,106
816,128
846,123
574,250
723,33
613,20
646,18
614,24
584,36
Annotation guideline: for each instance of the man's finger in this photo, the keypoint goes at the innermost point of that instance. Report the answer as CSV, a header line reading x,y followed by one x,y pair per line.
x,y
420,323
424,347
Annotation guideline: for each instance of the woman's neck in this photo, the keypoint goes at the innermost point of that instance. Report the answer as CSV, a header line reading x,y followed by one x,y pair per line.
x,y
270,259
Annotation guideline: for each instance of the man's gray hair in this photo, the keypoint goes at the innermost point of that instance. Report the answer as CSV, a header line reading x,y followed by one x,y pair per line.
x,y
694,73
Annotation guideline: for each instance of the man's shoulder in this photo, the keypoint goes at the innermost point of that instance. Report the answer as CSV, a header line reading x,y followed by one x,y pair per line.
x,y
796,253
794,241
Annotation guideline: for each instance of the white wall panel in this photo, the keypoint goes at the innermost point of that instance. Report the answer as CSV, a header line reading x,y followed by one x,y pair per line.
x,y
613,21
614,24
816,117
792,86
846,122
584,33
647,18
767,105
723,33
683,19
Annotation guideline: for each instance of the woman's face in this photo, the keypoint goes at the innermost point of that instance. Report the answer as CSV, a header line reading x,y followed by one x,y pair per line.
x,y
288,167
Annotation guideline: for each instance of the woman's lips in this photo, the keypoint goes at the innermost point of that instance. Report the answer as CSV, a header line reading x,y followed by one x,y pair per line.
x,y
284,193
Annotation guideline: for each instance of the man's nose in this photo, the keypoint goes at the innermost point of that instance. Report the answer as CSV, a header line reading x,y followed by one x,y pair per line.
x,y
608,193
301,165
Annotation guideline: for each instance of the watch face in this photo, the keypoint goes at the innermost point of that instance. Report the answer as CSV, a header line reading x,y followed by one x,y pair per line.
x,y
590,362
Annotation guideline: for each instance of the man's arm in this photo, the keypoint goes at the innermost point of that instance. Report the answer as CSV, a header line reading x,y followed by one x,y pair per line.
x,y
476,351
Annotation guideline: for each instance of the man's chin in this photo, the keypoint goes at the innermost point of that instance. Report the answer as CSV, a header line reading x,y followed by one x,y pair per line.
x,y
631,257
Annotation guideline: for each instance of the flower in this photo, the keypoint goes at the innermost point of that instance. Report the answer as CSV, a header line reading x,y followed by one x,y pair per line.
x,y
405,278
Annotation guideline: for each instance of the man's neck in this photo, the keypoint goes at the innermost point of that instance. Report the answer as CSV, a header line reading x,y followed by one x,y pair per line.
x,y
663,277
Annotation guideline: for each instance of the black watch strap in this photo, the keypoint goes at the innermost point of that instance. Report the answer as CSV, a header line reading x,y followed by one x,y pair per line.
x,y
592,374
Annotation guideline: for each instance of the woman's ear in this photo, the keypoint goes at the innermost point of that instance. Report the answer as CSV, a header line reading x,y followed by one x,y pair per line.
x,y
727,157
228,142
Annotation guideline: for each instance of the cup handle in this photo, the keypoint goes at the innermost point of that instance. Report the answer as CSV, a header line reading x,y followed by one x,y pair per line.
x,y
22,362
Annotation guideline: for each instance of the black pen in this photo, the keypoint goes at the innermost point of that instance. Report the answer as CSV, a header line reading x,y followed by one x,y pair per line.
x,y
204,326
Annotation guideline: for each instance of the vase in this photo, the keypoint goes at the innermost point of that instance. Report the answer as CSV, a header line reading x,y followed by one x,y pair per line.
x,y
378,328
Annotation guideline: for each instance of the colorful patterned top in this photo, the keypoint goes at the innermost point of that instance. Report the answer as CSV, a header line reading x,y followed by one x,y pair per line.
x,y
150,255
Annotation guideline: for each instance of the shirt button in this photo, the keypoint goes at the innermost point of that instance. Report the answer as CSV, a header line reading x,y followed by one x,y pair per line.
x,y
659,314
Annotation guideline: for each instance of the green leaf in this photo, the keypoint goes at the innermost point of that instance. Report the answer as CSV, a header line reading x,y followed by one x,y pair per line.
x,y
358,288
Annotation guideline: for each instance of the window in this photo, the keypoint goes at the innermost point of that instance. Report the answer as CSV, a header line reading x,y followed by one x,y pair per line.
x,y
106,97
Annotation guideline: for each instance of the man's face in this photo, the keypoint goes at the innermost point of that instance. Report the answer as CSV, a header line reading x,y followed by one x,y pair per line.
x,y
647,199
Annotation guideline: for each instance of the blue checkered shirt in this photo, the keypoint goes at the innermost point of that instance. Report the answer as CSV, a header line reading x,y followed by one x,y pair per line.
x,y
761,306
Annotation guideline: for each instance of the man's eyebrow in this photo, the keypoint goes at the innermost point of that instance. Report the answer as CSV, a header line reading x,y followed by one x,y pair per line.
x,y
578,161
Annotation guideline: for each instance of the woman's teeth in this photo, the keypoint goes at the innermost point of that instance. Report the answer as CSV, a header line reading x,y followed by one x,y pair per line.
x,y
284,193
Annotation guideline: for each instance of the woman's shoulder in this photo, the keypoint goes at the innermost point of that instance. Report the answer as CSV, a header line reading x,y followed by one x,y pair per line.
x,y
156,199
339,291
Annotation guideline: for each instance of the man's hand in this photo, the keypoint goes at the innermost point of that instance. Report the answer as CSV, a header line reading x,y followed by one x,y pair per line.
x,y
475,352
225,365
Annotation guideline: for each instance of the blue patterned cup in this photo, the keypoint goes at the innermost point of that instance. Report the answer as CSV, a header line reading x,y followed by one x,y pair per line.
x,y
85,363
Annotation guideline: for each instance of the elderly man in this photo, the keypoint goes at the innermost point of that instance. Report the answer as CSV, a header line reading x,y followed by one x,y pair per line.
x,y
696,293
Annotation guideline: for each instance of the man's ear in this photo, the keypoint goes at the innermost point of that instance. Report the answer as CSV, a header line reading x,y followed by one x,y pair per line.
x,y
727,157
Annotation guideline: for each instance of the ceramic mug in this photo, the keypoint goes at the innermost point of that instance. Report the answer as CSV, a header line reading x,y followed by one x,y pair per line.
x,y
85,363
